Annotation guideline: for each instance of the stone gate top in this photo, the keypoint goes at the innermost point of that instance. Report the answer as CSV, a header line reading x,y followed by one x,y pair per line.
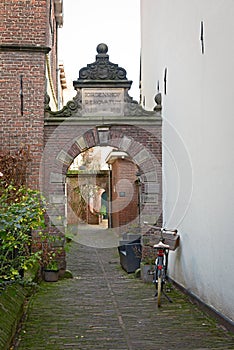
x,y
102,92
102,71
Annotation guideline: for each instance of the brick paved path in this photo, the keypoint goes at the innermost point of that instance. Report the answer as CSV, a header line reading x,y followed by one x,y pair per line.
x,y
104,308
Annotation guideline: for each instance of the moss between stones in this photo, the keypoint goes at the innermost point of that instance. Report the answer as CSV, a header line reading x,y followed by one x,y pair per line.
x,y
67,274
12,301
11,310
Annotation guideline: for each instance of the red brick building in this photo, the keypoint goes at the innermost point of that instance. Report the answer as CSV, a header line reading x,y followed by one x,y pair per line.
x,y
28,54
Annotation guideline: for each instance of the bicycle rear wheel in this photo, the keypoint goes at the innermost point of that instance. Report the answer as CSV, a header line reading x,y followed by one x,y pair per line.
x,y
159,290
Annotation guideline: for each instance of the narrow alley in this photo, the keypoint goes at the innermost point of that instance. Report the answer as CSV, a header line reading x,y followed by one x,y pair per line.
x,y
102,307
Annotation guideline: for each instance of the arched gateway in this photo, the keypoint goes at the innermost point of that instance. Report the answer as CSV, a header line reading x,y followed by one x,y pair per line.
x,y
102,113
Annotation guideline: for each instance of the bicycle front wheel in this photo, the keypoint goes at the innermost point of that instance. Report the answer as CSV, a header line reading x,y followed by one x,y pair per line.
x,y
159,290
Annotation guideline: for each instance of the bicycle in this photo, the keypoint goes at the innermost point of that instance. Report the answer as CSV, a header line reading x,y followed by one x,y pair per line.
x,y
161,263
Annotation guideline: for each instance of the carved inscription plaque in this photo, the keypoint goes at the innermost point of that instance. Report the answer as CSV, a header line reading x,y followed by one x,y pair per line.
x,y
103,101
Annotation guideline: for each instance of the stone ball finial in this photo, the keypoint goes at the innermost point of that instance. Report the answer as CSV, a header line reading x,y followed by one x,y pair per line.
x,y
102,48
158,100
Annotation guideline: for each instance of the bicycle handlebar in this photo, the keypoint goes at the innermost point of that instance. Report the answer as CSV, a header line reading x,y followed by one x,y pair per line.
x,y
163,229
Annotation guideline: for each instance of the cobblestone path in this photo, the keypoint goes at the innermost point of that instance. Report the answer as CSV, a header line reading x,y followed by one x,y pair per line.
x,y
104,308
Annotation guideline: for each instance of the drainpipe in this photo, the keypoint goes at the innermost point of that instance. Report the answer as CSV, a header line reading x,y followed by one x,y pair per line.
x,y
138,175
58,88
109,198
65,194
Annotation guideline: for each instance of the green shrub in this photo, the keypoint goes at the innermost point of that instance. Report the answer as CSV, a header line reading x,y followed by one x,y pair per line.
x,y
21,213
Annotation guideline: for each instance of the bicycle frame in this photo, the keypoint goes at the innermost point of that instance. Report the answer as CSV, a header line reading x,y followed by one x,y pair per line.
x,y
161,263
160,271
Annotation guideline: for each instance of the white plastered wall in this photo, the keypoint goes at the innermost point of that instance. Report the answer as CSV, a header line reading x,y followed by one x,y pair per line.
x,y
198,142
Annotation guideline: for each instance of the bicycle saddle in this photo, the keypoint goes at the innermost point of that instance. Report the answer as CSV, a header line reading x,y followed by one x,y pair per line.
x,y
161,245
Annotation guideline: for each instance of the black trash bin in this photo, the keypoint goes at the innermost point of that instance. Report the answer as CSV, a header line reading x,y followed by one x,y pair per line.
x,y
130,255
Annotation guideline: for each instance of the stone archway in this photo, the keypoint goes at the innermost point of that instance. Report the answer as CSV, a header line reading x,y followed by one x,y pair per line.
x,y
144,154
102,113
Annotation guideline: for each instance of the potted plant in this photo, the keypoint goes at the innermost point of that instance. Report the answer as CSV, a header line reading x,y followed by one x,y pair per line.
x,y
146,269
51,272
49,263
147,264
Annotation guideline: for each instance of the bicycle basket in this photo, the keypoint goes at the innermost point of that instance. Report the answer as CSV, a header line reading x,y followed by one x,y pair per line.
x,y
172,240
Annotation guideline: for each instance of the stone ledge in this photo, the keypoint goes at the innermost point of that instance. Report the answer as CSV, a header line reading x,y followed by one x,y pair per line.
x,y
24,48
86,121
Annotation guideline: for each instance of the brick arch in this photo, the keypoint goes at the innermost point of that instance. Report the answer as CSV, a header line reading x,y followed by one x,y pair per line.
x,y
142,146
64,142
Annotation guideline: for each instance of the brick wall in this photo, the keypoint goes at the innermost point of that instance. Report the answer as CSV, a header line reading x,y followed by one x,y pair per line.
x,y
27,128
26,36
24,22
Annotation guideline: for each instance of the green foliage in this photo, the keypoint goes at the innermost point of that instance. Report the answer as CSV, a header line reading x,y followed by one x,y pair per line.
x,y
49,256
21,212
52,265
147,260
103,210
